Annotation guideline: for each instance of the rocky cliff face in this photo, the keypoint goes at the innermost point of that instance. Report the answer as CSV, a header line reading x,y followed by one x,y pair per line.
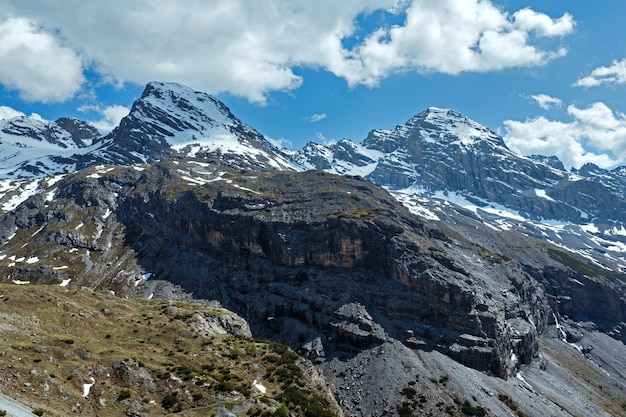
x,y
329,279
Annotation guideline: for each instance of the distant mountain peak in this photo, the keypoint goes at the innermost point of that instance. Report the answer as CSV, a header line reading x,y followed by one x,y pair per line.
x,y
456,128
171,120
29,145
168,120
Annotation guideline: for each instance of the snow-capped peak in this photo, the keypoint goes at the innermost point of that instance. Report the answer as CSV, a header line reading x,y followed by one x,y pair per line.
x,y
171,119
181,114
451,126
29,144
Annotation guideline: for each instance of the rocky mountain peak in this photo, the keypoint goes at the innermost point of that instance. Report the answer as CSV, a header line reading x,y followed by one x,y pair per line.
x,y
435,127
178,111
25,131
82,133
170,119
551,161
33,147
449,127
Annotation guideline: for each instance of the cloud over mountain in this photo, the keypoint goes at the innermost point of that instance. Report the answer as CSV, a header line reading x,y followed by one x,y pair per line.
x,y
41,68
250,49
596,134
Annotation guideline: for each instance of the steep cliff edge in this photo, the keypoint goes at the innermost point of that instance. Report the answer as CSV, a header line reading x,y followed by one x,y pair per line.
x,y
305,257
332,265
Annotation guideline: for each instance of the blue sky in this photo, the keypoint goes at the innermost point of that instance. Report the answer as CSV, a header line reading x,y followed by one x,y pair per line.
x,y
550,76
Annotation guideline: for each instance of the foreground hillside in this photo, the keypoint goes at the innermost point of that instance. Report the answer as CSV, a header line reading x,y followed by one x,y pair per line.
x,y
398,313
79,352
83,352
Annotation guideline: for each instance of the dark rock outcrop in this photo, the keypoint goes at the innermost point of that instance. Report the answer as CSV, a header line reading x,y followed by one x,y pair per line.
x,y
303,256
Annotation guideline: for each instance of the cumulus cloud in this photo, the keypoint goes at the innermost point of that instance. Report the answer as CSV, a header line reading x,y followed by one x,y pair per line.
x,y
111,116
595,134
251,48
547,102
9,113
326,141
614,74
36,64
529,20
280,143
454,36
314,118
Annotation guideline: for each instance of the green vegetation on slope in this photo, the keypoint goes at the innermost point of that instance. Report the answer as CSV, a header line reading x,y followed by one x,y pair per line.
x,y
582,267
147,356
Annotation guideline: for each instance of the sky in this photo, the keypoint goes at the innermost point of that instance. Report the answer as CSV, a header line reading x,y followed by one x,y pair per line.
x,y
549,76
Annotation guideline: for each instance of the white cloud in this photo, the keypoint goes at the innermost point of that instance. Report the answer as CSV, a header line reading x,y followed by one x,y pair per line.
x,y
326,141
281,143
251,48
529,20
36,64
595,134
454,36
9,113
547,102
615,74
314,118
111,116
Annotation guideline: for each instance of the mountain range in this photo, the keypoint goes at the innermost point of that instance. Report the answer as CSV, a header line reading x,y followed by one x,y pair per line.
x,y
403,267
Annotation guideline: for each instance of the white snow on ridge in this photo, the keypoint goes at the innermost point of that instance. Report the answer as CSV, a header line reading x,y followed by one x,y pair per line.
x,y
412,202
30,188
617,231
454,124
245,189
50,181
202,164
259,387
543,194
590,228
87,387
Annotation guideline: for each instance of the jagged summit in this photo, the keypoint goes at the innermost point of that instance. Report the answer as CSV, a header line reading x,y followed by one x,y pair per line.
x,y
170,119
32,147
454,126
435,126
175,115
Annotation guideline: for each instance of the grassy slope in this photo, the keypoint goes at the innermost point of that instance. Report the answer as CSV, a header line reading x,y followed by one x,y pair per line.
x,y
53,340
